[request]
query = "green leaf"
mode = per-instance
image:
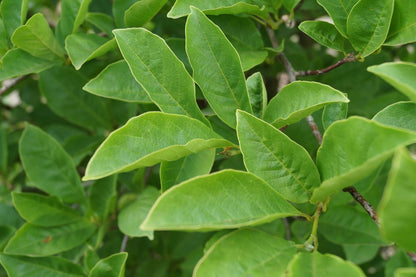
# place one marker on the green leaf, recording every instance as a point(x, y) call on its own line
point(274, 157)
point(324, 33)
point(142, 12)
point(405, 272)
point(48, 166)
point(399, 201)
point(257, 94)
point(216, 7)
point(316, 264)
point(37, 241)
point(399, 259)
point(400, 114)
point(49, 211)
point(133, 215)
point(338, 10)
point(398, 74)
point(403, 24)
point(3, 150)
point(62, 88)
point(13, 13)
point(4, 40)
point(6, 232)
point(119, 9)
point(37, 38)
point(334, 112)
point(162, 75)
point(290, 5)
point(365, 145)
point(246, 252)
point(360, 253)
point(149, 139)
point(83, 47)
point(117, 82)
point(18, 266)
point(217, 67)
point(285, 109)
point(223, 200)
point(102, 21)
point(112, 266)
point(72, 16)
point(175, 172)
point(368, 25)
point(102, 197)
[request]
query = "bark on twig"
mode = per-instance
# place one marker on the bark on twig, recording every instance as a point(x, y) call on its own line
point(364, 203)
point(348, 59)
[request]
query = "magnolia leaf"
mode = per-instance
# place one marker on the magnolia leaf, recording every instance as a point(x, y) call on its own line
point(13, 13)
point(112, 266)
point(3, 150)
point(324, 33)
point(72, 16)
point(257, 94)
point(142, 12)
point(405, 272)
point(400, 114)
point(102, 198)
point(403, 24)
point(102, 21)
point(338, 15)
point(334, 112)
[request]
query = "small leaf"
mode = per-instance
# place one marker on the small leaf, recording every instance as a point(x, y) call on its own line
point(48, 166)
point(102, 21)
point(13, 13)
point(399, 201)
point(112, 266)
point(102, 197)
point(133, 215)
point(149, 139)
point(217, 67)
point(339, 15)
point(368, 25)
point(400, 114)
point(142, 12)
point(365, 145)
point(257, 94)
point(275, 158)
point(398, 74)
point(246, 252)
point(334, 112)
point(403, 24)
point(285, 109)
point(222, 200)
point(72, 16)
point(324, 33)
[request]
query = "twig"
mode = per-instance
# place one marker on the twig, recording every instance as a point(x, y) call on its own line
point(364, 203)
point(124, 243)
point(299, 5)
point(288, 234)
point(348, 59)
point(8, 84)
point(315, 130)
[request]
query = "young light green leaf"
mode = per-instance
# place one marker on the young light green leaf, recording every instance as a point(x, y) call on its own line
point(112, 266)
point(365, 145)
point(102, 198)
point(72, 16)
point(399, 200)
point(246, 252)
point(18, 266)
point(36, 241)
point(149, 139)
point(142, 12)
point(316, 264)
point(401, 75)
point(285, 109)
point(275, 158)
point(13, 13)
point(62, 88)
point(223, 200)
point(403, 24)
point(338, 10)
point(48, 166)
point(175, 172)
point(257, 94)
point(49, 211)
point(3, 150)
point(37, 38)
point(132, 216)
point(117, 82)
point(405, 272)
point(102, 21)
point(368, 25)
point(162, 75)
point(217, 67)
point(324, 33)
point(82, 47)
point(334, 112)
point(400, 114)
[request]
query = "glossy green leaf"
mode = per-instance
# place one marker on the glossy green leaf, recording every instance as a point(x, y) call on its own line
point(360, 253)
point(216, 7)
point(257, 94)
point(18, 266)
point(175, 172)
point(48, 166)
point(103, 197)
point(403, 24)
point(37, 241)
point(112, 266)
point(222, 200)
point(341, 167)
point(285, 108)
point(117, 82)
point(83, 47)
point(102, 21)
point(3, 150)
point(399, 259)
point(37, 38)
point(162, 75)
point(398, 74)
point(405, 272)
point(62, 88)
point(13, 13)
point(6, 232)
point(217, 67)
point(274, 157)
point(290, 5)
point(398, 202)
point(72, 16)
point(132, 216)
point(334, 112)
point(324, 33)
point(49, 211)
point(119, 9)
point(142, 12)
point(316, 264)
point(400, 114)
point(339, 11)
point(368, 25)
point(4, 40)
point(149, 139)
point(246, 252)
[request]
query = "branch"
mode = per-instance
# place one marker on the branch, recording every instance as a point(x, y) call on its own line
point(124, 244)
point(8, 84)
point(364, 203)
point(348, 59)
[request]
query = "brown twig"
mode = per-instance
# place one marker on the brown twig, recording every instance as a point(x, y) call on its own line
point(288, 234)
point(364, 203)
point(348, 59)
point(8, 84)
point(124, 244)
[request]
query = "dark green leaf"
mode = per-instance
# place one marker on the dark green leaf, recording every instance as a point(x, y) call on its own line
point(72, 16)
point(339, 11)
point(102, 197)
point(102, 21)
point(13, 13)
point(324, 33)
point(403, 24)
point(257, 94)
point(119, 9)
point(112, 266)
point(142, 12)
point(3, 150)
point(334, 112)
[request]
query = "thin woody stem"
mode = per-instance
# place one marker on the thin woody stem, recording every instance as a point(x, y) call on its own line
point(11, 83)
point(364, 203)
point(348, 59)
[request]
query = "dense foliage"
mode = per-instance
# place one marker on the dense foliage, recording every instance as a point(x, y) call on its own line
point(168, 138)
